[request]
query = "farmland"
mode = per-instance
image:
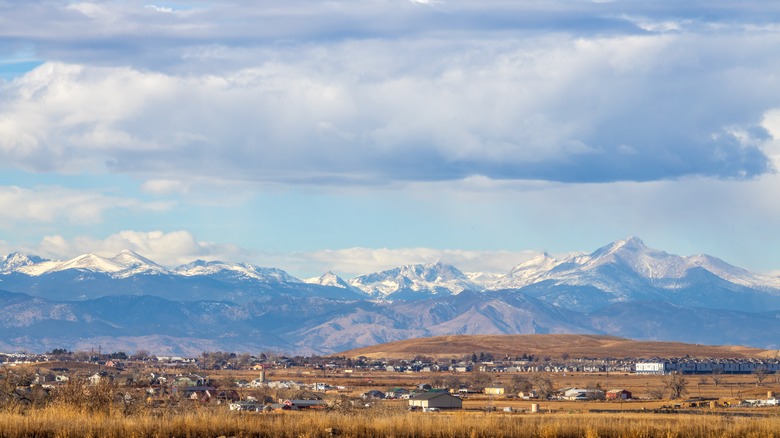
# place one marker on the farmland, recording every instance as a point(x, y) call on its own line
point(347, 396)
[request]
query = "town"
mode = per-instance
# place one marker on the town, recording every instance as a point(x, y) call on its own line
point(479, 381)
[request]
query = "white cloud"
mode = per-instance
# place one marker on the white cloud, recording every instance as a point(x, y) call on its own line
point(51, 204)
point(357, 261)
point(167, 248)
point(551, 108)
point(165, 187)
point(179, 247)
point(162, 9)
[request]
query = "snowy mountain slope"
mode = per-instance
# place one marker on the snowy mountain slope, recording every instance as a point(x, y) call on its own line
point(410, 281)
point(236, 271)
point(623, 288)
point(124, 264)
point(627, 270)
point(307, 325)
point(330, 279)
point(16, 261)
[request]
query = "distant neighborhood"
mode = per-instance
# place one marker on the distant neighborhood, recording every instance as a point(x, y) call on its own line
point(308, 382)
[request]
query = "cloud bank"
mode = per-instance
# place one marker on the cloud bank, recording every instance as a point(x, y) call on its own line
point(640, 100)
point(178, 247)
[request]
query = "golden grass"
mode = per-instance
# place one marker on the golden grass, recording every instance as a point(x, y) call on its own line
point(552, 345)
point(67, 422)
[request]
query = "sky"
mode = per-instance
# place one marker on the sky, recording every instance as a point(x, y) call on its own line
point(356, 136)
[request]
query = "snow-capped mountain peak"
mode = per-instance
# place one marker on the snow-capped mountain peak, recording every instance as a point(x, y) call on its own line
point(527, 272)
point(327, 279)
point(432, 278)
point(131, 259)
point(15, 261)
point(90, 262)
point(238, 270)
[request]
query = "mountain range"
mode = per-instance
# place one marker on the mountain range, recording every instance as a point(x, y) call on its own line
point(128, 302)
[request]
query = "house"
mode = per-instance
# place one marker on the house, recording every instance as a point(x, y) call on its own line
point(438, 400)
point(189, 380)
point(202, 393)
point(310, 395)
point(305, 404)
point(494, 390)
point(527, 395)
point(618, 394)
point(246, 406)
point(97, 378)
point(583, 394)
point(230, 395)
point(373, 394)
point(395, 393)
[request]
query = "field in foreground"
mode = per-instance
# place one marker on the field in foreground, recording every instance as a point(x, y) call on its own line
point(62, 422)
point(551, 345)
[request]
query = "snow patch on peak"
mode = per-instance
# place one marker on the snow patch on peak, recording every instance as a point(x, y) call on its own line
point(91, 262)
point(326, 279)
point(16, 261)
point(202, 267)
point(432, 278)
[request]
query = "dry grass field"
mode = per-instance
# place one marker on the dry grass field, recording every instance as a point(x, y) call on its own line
point(639, 418)
point(554, 346)
point(482, 415)
point(67, 422)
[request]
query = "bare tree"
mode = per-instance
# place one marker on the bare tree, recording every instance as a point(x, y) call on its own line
point(480, 380)
point(542, 384)
point(656, 394)
point(520, 383)
point(717, 377)
point(677, 385)
point(761, 373)
point(453, 382)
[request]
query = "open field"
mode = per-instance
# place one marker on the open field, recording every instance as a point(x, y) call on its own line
point(66, 423)
point(124, 407)
point(482, 416)
point(554, 346)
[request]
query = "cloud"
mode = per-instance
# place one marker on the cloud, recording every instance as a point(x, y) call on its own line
point(165, 187)
point(167, 248)
point(378, 93)
point(179, 247)
point(52, 204)
point(162, 9)
point(357, 261)
point(552, 109)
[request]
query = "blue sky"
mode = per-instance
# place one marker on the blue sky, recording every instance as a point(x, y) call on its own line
point(355, 136)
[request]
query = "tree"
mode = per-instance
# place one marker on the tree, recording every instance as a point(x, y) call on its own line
point(542, 384)
point(717, 377)
point(677, 385)
point(140, 355)
point(761, 373)
point(480, 380)
point(520, 383)
point(453, 382)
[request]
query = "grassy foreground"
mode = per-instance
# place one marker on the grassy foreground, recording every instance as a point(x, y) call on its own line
point(63, 421)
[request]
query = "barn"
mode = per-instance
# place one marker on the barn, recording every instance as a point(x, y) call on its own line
point(438, 400)
point(618, 394)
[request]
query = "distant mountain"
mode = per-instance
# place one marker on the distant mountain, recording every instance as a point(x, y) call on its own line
point(629, 271)
point(622, 289)
point(16, 261)
point(234, 272)
point(414, 282)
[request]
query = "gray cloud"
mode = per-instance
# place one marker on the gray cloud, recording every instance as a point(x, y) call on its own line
point(350, 92)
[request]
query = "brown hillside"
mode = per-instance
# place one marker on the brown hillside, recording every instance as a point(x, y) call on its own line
point(553, 346)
